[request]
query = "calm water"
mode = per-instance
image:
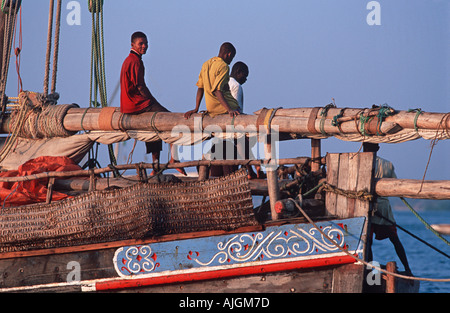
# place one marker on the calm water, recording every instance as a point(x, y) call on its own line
point(424, 261)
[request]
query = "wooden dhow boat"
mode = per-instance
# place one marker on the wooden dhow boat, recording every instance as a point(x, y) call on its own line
point(81, 231)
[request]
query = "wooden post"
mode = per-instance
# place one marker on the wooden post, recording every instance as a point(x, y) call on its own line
point(315, 155)
point(390, 280)
point(203, 172)
point(272, 176)
point(50, 185)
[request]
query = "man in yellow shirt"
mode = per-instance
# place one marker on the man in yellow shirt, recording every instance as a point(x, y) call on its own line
point(213, 84)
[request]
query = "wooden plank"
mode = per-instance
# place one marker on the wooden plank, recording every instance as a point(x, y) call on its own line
point(343, 183)
point(353, 176)
point(348, 278)
point(365, 181)
point(297, 281)
point(332, 161)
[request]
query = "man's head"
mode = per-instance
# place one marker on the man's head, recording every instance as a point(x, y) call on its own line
point(139, 42)
point(227, 52)
point(240, 72)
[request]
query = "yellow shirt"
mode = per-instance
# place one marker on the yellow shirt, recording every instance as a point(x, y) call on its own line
point(214, 75)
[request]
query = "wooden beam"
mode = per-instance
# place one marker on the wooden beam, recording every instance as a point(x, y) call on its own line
point(300, 160)
point(78, 119)
point(412, 188)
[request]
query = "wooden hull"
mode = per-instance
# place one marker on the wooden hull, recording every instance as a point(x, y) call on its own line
point(294, 251)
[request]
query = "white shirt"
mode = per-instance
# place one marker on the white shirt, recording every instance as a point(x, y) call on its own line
point(237, 92)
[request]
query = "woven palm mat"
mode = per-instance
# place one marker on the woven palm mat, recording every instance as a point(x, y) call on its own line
point(133, 212)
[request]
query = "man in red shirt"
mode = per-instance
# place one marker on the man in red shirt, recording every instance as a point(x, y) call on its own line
point(135, 97)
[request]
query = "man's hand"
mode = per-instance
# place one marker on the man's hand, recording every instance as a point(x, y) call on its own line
point(233, 113)
point(188, 114)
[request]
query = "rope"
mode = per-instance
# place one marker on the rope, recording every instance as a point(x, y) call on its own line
point(428, 226)
point(360, 260)
point(324, 114)
point(9, 30)
point(416, 117)
point(364, 194)
point(411, 234)
point(56, 46)
point(19, 116)
point(384, 111)
point(49, 45)
point(98, 71)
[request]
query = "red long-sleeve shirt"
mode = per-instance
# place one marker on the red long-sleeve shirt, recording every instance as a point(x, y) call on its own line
point(132, 76)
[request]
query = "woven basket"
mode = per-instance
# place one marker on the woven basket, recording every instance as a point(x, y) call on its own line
point(137, 211)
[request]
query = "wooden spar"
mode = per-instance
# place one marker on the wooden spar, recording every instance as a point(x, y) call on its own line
point(98, 171)
point(167, 121)
point(404, 119)
point(285, 121)
point(411, 188)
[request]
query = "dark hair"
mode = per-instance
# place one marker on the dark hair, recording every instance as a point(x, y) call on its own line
point(239, 67)
point(137, 35)
point(370, 147)
point(227, 47)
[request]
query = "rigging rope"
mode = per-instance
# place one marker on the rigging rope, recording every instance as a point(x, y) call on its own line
point(98, 72)
point(359, 259)
point(55, 47)
point(428, 226)
point(9, 9)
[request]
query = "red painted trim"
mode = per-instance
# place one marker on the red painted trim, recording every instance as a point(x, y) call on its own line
point(240, 271)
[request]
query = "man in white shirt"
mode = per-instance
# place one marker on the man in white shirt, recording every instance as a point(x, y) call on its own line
point(238, 77)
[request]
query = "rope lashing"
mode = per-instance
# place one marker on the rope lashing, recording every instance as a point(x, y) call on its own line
point(383, 112)
point(370, 123)
point(364, 194)
point(416, 117)
point(324, 114)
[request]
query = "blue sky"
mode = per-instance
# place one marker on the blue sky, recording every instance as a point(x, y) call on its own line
point(300, 54)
